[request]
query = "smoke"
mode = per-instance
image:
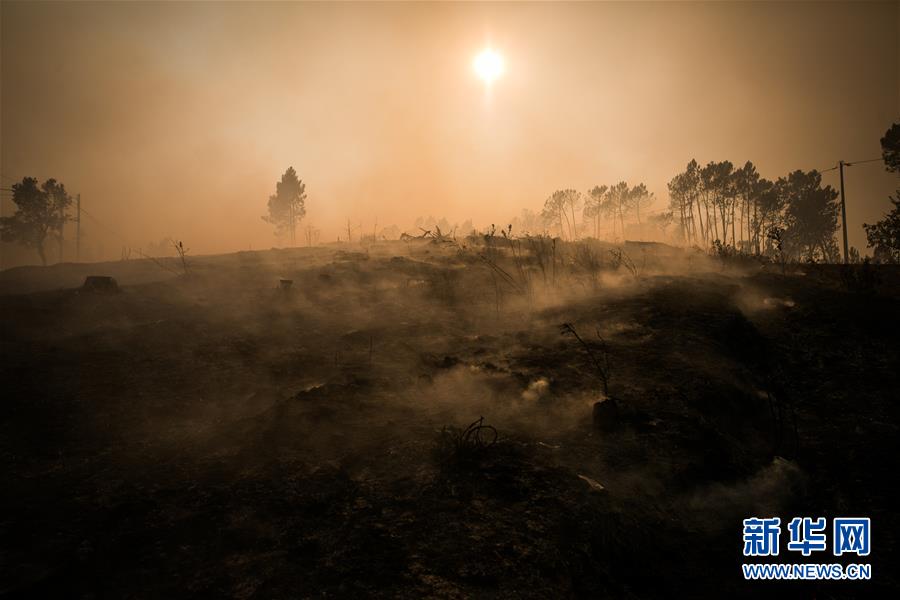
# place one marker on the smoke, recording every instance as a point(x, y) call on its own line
point(135, 106)
point(769, 491)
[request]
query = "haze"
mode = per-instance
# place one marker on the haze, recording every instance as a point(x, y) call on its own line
point(177, 119)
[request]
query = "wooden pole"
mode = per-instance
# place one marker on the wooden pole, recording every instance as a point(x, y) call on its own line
point(78, 228)
point(843, 212)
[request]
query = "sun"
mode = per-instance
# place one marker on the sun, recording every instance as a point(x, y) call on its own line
point(488, 65)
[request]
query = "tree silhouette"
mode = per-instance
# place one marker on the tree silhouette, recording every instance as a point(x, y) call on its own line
point(718, 191)
point(692, 188)
point(638, 198)
point(287, 205)
point(746, 185)
point(558, 207)
point(884, 236)
point(593, 206)
point(684, 194)
point(767, 213)
point(811, 215)
point(617, 202)
point(39, 212)
point(890, 148)
point(528, 222)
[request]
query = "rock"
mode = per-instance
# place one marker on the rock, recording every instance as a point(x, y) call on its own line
point(285, 284)
point(593, 484)
point(101, 284)
point(448, 362)
point(606, 414)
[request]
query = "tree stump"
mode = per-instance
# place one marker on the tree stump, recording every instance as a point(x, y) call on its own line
point(100, 284)
point(606, 415)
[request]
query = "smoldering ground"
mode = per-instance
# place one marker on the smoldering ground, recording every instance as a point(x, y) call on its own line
point(214, 433)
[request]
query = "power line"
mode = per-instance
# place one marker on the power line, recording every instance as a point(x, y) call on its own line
point(841, 164)
point(851, 163)
point(100, 223)
point(95, 220)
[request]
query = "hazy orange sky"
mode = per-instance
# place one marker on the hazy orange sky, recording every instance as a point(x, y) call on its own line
point(176, 119)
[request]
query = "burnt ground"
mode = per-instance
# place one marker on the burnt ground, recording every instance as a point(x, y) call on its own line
point(209, 435)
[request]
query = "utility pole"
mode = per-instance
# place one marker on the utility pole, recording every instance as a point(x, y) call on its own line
point(62, 231)
point(78, 228)
point(843, 212)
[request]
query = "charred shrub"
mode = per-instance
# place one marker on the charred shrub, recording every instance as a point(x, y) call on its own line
point(456, 448)
point(862, 278)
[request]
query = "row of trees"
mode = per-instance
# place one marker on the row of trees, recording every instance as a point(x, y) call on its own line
point(713, 205)
point(612, 205)
point(738, 208)
point(717, 204)
point(616, 203)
